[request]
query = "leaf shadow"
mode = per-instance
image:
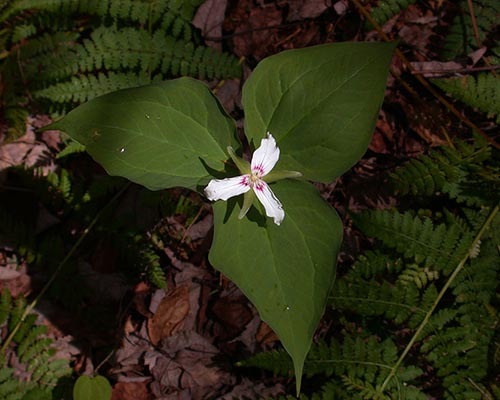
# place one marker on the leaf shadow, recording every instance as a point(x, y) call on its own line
point(253, 215)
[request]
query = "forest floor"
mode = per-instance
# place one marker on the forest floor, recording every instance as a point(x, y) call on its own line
point(183, 342)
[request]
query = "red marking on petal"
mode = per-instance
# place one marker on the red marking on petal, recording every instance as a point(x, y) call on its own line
point(259, 169)
point(245, 180)
point(259, 186)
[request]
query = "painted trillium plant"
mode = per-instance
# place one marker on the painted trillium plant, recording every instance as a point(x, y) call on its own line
point(320, 105)
point(254, 180)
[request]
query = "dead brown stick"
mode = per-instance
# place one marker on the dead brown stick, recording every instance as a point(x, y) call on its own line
point(475, 29)
point(474, 22)
point(463, 71)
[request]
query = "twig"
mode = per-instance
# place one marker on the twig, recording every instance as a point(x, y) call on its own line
point(475, 29)
point(73, 249)
point(474, 23)
point(252, 30)
point(422, 80)
point(464, 71)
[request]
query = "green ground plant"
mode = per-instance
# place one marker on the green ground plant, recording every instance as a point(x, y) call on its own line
point(57, 54)
point(425, 297)
point(176, 134)
point(30, 349)
point(430, 277)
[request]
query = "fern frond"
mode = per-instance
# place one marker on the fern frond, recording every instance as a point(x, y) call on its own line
point(40, 372)
point(23, 32)
point(86, 87)
point(449, 170)
point(417, 275)
point(30, 338)
point(434, 246)
point(481, 92)
point(5, 304)
point(419, 176)
point(72, 147)
point(386, 9)
point(15, 117)
point(363, 390)
point(70, 51)
point(277, 361)
point(365, 361)
point(133, 49)
point(17, 311)
point(10, 387)
point(461, 39)
point(377, 299)
point(154, 272)
point(34, 353)
point(25, 327)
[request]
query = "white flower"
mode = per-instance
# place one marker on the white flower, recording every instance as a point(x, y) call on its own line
point(254, 177)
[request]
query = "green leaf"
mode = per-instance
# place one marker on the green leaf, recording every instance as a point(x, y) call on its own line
point(286, 271)
point(87, 388)
point(320, 103)
point(163, 135)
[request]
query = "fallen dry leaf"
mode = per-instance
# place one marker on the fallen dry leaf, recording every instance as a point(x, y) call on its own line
point(51, 138)
point(233, 314)
point(209, 19)
point(229, 94)
point(200, 229)
point(132, 349)
point(168, 318)
point(255, 38)
point(302, 9)
point(265, 335)
point(20, 286)
point(130, 391)
point(7, 274)
point(188, 277)
point(247, 389)
point(184, 367)
point(247, 337)
point(341, 7)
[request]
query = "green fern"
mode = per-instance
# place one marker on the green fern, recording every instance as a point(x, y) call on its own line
point(398, 334)
point(138, 254)
point(465, 173)
point(482, 92)
point(386, 9)
point(131, 58)
point(329, 391)
point(382, 291)
point(60, 60)
point(357, 367)
point(40, 371)
point(72, 147)
point(172, 15)
point(454, 350)
point(460, 39)
point(419, 176)
point(434, 246)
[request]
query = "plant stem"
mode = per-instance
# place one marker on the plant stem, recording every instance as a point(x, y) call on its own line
point(77, 244)
point(439, 297)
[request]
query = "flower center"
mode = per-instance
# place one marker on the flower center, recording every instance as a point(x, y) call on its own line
point(254, 177)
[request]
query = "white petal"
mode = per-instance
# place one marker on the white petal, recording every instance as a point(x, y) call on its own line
point(272, 205)
point(266, 156)
point(223, 189)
